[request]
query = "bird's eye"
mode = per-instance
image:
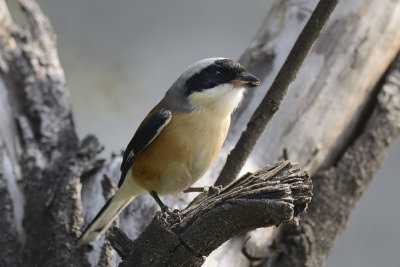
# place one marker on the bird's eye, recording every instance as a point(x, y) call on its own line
point(217, 74)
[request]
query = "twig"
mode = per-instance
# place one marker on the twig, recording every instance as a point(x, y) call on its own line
point(276, 92)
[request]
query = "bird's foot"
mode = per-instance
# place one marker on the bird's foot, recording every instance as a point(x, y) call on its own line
point(168, 214)
point(214, 190)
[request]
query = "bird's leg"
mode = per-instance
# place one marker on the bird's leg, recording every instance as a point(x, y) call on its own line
point(164, 208)
point(212, 189)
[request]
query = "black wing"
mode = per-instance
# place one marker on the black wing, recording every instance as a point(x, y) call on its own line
point(150, 128)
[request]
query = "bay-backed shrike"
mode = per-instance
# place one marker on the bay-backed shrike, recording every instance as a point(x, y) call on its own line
point(179, 139)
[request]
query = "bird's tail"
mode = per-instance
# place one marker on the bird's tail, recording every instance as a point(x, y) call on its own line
point(108, 213)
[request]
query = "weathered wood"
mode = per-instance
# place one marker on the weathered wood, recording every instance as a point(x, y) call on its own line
point(269, 197)
point(277, 91)
point(10, 199)
point(50, 156)
point(339, 188)
point(319, 115)
point(331, 90)
point(360, 42)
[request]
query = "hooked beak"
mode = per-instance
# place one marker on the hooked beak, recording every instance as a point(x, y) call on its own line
point(246, 80)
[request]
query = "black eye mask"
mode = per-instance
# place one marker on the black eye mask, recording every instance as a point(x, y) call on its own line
point(220, 72)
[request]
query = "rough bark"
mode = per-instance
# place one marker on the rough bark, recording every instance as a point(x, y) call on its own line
point(330, 92)
point(50, 156)
point(326, 103)
point(340, 187)
point(269, 197)
point(45, 158)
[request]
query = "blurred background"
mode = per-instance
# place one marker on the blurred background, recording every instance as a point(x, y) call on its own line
point(120, 57)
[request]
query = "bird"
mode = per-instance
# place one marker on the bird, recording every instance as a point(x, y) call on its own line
point(179, 139)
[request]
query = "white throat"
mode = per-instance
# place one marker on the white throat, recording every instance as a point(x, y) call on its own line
point(221, 100)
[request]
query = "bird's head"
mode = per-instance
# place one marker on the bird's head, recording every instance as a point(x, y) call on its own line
point(214, 84)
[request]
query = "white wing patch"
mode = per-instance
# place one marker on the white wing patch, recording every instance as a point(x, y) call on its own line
point(132, 154)
point(158, 131)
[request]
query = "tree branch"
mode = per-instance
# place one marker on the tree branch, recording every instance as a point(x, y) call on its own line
point(272, 100)
point(269, 197)
point(53, 159)
point(339, 188)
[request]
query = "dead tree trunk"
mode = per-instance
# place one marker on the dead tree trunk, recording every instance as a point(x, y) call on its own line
point(329, 102)
point(51, 182)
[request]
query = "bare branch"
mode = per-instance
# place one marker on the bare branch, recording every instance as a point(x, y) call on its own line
point(53, 159)
point(269, 197)
point(272, 100)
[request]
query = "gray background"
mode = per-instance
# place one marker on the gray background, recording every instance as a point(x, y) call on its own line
point(120, 56)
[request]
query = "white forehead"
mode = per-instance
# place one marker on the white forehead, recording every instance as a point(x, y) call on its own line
point(199, 65)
